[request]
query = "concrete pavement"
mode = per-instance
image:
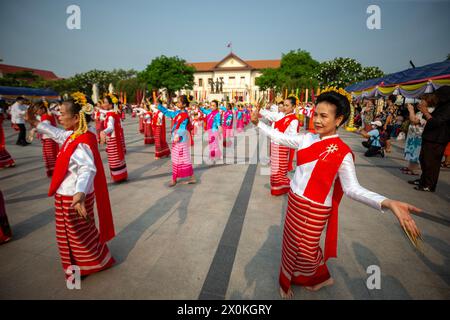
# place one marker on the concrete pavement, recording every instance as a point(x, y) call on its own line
point(220, 238)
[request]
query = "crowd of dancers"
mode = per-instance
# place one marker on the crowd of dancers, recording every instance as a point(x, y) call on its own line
point(324, 169)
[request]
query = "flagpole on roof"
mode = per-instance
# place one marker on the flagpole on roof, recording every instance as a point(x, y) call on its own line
point(230, 45)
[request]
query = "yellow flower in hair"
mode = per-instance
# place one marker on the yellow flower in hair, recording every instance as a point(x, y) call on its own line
point(79, 98)
point(113, 98)
point(340, 91)
point(86, 108)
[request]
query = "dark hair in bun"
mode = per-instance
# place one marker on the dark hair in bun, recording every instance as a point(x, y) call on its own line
point(293, 100)
point(340, 101)
point(184, 99)
point(75, 108)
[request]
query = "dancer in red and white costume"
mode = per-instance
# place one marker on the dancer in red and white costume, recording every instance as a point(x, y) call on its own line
point(162, 149)
point(140, 111)
point(99, 118)
point(112, 134)
point(79, 181)
point(325, 170)
point(5, 158)
point(5, 229)
point(50, 148)
point(281, 157)
point(149, 137)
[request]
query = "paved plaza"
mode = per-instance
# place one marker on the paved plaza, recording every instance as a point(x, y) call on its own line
point(220, 238)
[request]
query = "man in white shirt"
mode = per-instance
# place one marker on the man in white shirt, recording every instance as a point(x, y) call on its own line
point(18, 110)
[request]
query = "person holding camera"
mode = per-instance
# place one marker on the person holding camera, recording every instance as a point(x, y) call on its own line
point(435, 137)
point(373, 144)
point(414, 137)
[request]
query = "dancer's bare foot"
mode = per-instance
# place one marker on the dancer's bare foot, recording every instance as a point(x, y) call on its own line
point(172, 183)
point(192, 180)
point(288, 295)
point(317, 287)
point(157, 158)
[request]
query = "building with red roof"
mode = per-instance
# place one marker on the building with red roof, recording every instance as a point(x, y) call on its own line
point(8, 69)
point(237, 78)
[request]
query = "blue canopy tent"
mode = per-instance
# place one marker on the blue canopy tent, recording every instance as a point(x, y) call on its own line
point(30, 93)
point(410, 83)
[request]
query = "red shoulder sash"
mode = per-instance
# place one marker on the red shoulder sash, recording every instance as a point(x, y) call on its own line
point(329, 154)
point(100, 187)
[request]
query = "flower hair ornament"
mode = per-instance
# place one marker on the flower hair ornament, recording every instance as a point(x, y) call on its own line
point(295, 96)
point(86, 109)
point(340, 91)
point(113, 98)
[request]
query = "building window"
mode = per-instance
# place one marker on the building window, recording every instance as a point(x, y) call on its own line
point(200, 82)
point(242, 80)
point(232, 80)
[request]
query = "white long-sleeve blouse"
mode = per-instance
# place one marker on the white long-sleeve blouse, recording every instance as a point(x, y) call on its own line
point(82, 169)
point(346, 172)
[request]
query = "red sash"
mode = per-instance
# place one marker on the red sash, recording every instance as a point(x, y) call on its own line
point(281, 125)
point(100, 188)
point(163, 124)
point(117, 131)
point(329, 154)
point(50, 118)
point(226, 115)
point(2, 133)
point(210, 119)
point(178, 120)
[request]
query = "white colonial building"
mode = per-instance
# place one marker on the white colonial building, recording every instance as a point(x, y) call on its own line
point(234, 77)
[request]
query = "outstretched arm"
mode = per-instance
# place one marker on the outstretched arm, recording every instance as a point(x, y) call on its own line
point(291, 141)
point(205, 111)
point(354, 190)
point(270, 115)
point(167, 112)
point(54, 133)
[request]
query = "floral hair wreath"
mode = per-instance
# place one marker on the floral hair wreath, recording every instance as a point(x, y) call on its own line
point(295, 96)
point(80, 99)
point(340, 91)
point(113, 98)
point(86, 108)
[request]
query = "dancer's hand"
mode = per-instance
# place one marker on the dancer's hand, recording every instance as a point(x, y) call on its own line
point(78, 204)
point(255, 117)
point(102, 137)
point(30, 117)
point(402, 211)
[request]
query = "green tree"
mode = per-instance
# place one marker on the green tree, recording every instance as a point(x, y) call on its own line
point(130, 87)
point(342, 72)
point(19, 79)
point(170, 73)
point(269, 79)
point(370, 73)
point(297, 70)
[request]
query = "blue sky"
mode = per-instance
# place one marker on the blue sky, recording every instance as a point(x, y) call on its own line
point(128, 34)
